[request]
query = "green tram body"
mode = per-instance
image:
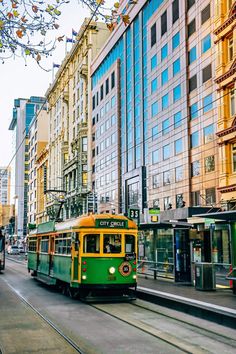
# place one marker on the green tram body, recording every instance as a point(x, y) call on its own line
point(2, 252)
point(89, 255)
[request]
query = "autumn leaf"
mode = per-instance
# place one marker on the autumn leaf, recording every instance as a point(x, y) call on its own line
point(19, 33)
point(60, 39)
point(27, 52)
point(116, 5)
point(23, 19)
point(110, 26)
point(56, 25)
point(100, 2)
point(14, 5)
point(9, 15)
point(1, 45)
point(126, 19)
point(35, 8)
point(38, 58)
point(15, 13)
point(1, 25)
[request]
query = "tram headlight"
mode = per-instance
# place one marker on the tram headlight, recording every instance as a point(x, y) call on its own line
point(134, 276)
point(112, 270)
point(84, 277)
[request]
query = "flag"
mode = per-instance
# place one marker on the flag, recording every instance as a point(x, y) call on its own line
point(69, 40)
point(55, 65)
point(74, 33)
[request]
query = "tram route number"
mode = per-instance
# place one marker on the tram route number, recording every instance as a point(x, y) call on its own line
point(130, 256)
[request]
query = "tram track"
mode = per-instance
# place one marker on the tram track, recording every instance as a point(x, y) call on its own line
point(46, 320)
point(169, 338)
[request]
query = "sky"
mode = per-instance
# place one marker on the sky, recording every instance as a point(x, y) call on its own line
point(20, 81)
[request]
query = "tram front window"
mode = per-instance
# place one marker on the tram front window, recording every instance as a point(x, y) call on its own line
point(129, 244)
point(91, 243)
point(112, 243)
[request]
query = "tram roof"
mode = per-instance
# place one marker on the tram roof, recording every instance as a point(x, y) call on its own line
point(85, 221)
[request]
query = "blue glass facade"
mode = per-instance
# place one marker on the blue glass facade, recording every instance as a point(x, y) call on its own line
point(132, 51)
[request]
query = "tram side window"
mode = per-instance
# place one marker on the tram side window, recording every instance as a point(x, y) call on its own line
point(63, 244)
point(44, 245)
point(1, 244)
point(112, 243)
point(91, 243)
point(129, 243)
point(32, 246)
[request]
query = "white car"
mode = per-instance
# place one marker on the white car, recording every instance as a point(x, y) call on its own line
point(13, 250)
point(21, 249)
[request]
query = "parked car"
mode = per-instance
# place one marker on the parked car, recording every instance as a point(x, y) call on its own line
point(13, 250)
point(21, 249)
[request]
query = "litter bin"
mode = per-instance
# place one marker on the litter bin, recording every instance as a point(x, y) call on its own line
point(205, 278)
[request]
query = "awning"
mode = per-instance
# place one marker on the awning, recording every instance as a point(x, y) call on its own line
point(220, 215)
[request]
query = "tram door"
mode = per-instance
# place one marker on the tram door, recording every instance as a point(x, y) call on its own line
point(182, 262)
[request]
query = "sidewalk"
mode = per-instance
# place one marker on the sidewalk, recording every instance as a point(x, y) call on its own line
point(218, 305)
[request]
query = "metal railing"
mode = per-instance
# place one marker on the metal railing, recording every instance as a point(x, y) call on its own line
point(155, 269)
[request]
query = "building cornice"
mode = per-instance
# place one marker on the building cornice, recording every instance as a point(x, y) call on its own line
point(226, 131)
point(227, 189)
point(229, 73)
point(226, 23)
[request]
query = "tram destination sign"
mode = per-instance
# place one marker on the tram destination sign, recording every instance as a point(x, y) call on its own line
point(111, 224)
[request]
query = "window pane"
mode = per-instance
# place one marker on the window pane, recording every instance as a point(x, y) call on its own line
point(177, 119)
point(178, 146)
point(175, 40)
point(112, 243)
point(165, 101)
point(166, 178)
point(210, 164)
point(206, 13)
point(154, 85)
point(177, 93)
point(179, 174)
point(176, 66)
point(206, 43)
point(164, 23)
point(194, 140)
point(91, 243)
point(154, 109)
point(208, 133)
point(192, 83)
point(164, 77)
point(206, 73)
point(207, 103)
point(191, 27)
point(154, 132)
point(193, 111)
point(175, 10)
point(192, 55)
point(153, 62)
point(166, 152)
point(165, 126)
point(195, 168)
point(155, 156)
point(153, 35)
point(164, 52)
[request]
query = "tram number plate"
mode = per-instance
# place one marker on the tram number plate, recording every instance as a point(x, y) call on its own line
point(111, 277)
point(130, 256)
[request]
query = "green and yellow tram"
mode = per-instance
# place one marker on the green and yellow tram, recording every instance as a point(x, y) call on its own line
point(90, 256)
point(2, 251)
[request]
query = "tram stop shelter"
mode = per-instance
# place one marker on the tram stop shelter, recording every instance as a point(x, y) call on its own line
point(228, 217)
